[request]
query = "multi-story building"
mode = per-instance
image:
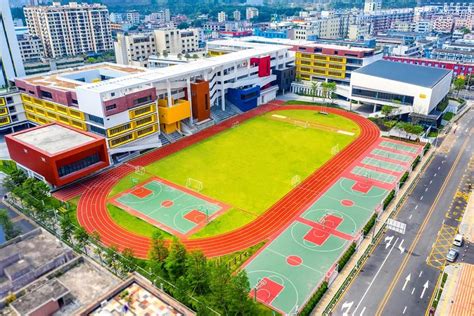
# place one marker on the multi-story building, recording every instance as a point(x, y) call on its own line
point(250, 13)
point(443, 23)
point(236, 15)
point(11, 66)
point(372, 6)
point(68, 30)
point(221, 17)
point(115, 17)
point(132, 17)
point(140, 46)
point(458, 68)
point(382, 20)
point(358, 31)
point(422, 26)
point(136, 108)
point(31, 47)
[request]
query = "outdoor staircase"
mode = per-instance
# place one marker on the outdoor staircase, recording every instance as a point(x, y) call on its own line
point(164, 141)
point(218, 115)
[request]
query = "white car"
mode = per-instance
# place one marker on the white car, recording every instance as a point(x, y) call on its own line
point(458, 240)
point(452, 255)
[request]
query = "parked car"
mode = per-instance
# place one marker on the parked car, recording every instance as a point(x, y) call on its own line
point(458, 240)
point(452, 255)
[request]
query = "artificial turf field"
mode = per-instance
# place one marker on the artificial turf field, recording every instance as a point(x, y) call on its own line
point(251, 166)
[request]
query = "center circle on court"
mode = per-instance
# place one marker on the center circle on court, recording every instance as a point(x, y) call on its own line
point(294, 260)
point(167, 203)
point(347, 203)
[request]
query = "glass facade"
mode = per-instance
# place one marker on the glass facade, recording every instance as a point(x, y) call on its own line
point(78, 165)
point(382, 96)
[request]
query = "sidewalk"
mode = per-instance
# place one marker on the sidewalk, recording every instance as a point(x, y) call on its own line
point(466, 228)
point(403, 193)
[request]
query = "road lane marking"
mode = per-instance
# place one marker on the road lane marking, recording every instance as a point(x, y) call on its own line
point(407, 279)
point(375, 276)
point(391, 287)
point(412, 291)
point(346, 306)
point(425, 286)
point(363, 310)
point(404, 310)
point(421, 199)
point(435, 174)
point(421, 273)
point(426, 190)
point(416, 206)
point(410, 216)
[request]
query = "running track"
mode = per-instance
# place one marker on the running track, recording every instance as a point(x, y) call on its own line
point(93, 215)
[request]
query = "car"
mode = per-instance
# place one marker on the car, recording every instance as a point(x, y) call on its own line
point(452, 255)
point(458, 240)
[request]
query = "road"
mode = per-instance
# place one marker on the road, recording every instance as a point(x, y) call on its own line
point(396, 279)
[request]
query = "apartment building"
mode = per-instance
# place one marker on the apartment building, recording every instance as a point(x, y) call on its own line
point(221, 17)
point(132, 17)
point(250, 13)
point(138, 47)
point(31, 47)
point(372, 6)
point(458, 68)
point(236, 15)
point(11, 66)
point(443, 23)
point(137, 109)
point(72, 29)
point(382, 20)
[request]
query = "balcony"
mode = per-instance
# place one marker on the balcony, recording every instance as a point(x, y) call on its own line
point(179, 110)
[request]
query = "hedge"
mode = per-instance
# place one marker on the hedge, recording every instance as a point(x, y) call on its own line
point(314, 300)
point(427, 147)
point(415, 163)
point(403, 179)
point(369, 224)
point(388, 199)
point(345, 257)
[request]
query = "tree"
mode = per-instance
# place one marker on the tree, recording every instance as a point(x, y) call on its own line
point(67, 227)
point(183, 25)
point(175, 263)
point(459, 84)
point(197, 273)
point(180, 56)
point(129, 262)
point(158, 249)
point(386, 110)
point(314, 89)
point(110, 257)
point(187, 56)
point(218, 285)
point(81, 237)
point(95, 237)
point(328, 89)
point(195, 56)
point(239, 301)
point(165, 53)
point(7, 225)
point(14, 180)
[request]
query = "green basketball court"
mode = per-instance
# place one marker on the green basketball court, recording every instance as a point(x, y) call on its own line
point(401, 147)
point(391, 155)
point(372, 174)
point(284, 274)
point(170, 207)
point(382, 164)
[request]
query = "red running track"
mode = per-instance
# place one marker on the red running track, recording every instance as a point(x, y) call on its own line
point(93, 215)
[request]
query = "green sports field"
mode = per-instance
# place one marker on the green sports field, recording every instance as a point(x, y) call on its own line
point(251, 166)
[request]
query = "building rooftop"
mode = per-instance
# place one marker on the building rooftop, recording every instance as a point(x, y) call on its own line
point(53, 138)
point(412, 74)
point(52, 290)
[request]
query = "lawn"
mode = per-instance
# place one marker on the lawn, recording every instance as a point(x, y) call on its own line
point(249, 166)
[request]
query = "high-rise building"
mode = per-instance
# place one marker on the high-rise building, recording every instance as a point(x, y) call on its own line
point(236, 15)
point(73, 29)
point(372, 6)
point(132, 17)
point(221, 17)
point(250, 13)
point(11, 65)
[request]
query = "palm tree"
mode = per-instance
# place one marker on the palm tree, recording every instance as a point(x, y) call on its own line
point(314, 89)
point(82, 237)
point(95, 237)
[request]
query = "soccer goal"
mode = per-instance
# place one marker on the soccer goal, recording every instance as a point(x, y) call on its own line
point(295, 180)
point(139, 170)
point(335, 149)
point(194, 185)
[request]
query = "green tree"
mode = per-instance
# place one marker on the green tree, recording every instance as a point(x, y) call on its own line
point(158, 249)
point(165, 53)
point(175, 263)
point(67, 228)
point(459, 84)
point(81, 237)
point(111, 257)
point(239, 301)
point(129, 262)
point(183, 25)
point(95, 237)
point(197, 273)
point(314, 89)
point(14, 179)
point(195, 56)
point(180, 56)
point(187, 56)
point(386, 110)
point(218, 285)
point(7, 225)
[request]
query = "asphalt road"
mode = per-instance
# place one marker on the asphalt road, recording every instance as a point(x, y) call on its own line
point(396, 279)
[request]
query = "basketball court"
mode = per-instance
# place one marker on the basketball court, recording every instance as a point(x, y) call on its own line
point(177, 210)
point(392, 155)
point(400, 147)
point(286, 272)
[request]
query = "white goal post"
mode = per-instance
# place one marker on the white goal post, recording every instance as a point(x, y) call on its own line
point(194, 185)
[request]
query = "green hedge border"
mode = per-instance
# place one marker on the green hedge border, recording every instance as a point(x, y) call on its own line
point(314, 300)
point(346, 257)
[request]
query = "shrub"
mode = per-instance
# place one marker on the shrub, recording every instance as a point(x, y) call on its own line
point(403, 179)
point(388, 199)
point(448, 116)
point(427, 147)
point(369, 225)
point(313, 301)
point(345, 257)
point(415, 162)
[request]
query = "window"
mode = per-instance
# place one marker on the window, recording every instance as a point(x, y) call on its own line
point(142, 100)
point(78, 165)
point(97, 130)
point(96, 119)
point(111, 107)
point(46, 94)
